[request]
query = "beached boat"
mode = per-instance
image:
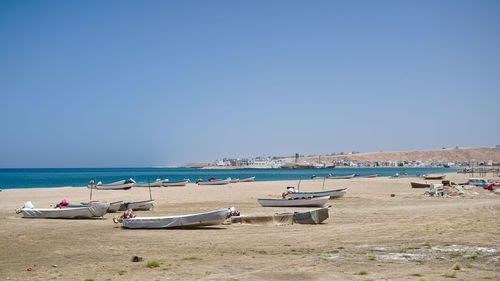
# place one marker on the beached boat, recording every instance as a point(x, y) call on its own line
point(117, 185)
point(250, 179)
point(368, 176)
point(193, 220)
point(234, 180)
point(111, 187)
point(176, 183)
point(157, 183)
point(420, 185)
point(215, 182)
point(434, 177)
point(333, 193)
point(340, 177)
point(303, 202)
point(113, 206)
point(91, 211)
point(314, 216)
point(138, 205)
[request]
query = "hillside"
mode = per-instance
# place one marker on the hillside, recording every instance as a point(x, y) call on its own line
point(478, 154)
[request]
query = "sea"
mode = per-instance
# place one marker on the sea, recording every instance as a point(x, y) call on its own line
point(77, 177)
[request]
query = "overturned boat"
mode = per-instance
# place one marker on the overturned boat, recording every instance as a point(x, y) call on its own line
point(314, 216)
point(250, 179)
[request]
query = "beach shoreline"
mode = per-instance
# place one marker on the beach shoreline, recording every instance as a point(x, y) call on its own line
point(368, 231)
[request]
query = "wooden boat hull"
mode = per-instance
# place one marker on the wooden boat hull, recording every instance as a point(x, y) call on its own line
point(138, 205)
point(250, 179)
point(193, 220)
point(92, 211)
point(334, 193)
point(175, 183)
point(340, 177)
point(304, 202)
point(420, 185)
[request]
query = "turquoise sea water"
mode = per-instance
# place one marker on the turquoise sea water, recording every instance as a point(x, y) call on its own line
point(29, 178)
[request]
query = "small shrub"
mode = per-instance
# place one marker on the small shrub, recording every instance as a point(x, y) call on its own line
point(361, 273)
point(426, 245)
point(340, 248)
point(89, 279)
point(393, 195)
point(417, 274)
point(457, 266)
point(371, 258)
point(262, 252)
point(121, 272)
point(152, 264)
point(192, 259)
point(473, 257)
point(448, 275)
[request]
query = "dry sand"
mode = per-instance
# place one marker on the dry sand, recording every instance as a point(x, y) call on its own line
point(406, 237)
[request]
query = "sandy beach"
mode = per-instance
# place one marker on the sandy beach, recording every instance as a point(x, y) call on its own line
point(369, 236)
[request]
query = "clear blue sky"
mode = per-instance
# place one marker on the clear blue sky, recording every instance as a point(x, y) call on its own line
point(149, 83)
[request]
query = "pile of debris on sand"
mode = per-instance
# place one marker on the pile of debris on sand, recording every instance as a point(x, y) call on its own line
point(455, 190)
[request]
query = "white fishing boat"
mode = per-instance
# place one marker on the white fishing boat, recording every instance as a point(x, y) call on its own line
point(234, 180)
point(302, 202)
point(215, 182)
point(193, 220)
point(111, 187)
point(175, 183)
point(157, 183)
point(113, 206)
point(250, 179)
point(334, 193)
point(138, 205)
point(91, 211)
point(340, 177)
point(117, 185)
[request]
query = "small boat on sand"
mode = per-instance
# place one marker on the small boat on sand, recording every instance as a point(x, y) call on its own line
point(302, 202)
point(123, 184)
point(340, 177)
point(214, 182)
point(420, 185)
point(314, 216)
point(157, 183)
point(368, 176)
point(234, 180)
point(250, 179)
point(113, 206)
point(334, 193)
point(192, 220)
point(434, 177)
point(91, 211)
point(176, 183)
point(138, 205)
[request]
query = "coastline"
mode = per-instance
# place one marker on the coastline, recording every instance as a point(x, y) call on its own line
point(368, 230)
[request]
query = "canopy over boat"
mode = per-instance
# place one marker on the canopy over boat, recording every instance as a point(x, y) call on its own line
point(192, 220)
